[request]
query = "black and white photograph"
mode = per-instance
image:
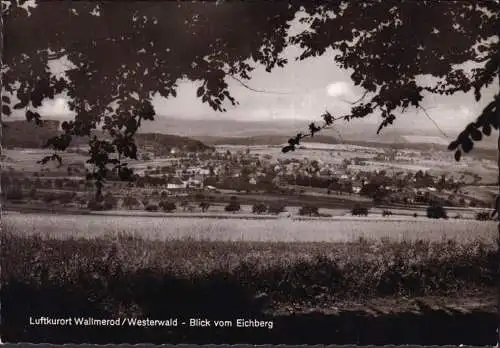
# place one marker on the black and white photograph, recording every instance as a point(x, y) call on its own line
point(250, 172)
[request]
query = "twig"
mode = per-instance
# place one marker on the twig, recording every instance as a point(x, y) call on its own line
point(256, 90)
point(357, 100)
point(432, 120)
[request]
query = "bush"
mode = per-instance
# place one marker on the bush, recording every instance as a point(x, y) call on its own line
point(415, 215)
point(276, 208)
point(386, 213)
point(436, 211)
point(167, 206)
point(14, 193)
point(483, 216)
point(359, 210)
point(130, 201)
point(309, 210)
point(259, 208)
point(204, 206)
point(151, 207)
point(232, 207)
point(33, 194)
point(95, 205)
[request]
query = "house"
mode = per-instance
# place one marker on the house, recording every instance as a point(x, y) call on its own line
point(175, 183)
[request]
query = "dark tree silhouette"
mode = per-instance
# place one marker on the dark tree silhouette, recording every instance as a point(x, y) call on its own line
point(158, 43)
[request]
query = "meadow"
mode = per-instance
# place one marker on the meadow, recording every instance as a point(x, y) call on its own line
point(336, 229)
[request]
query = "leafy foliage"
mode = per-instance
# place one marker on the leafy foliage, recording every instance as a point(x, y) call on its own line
point(386, 45)
point(114, 95)
point(388, 49)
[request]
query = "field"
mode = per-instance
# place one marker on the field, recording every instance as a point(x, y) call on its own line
point(114, 274)
point(341, 229)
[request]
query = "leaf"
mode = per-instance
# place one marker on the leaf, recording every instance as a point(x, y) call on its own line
point(487, 130)
point(200, 91)
point(6, 110)
point(476, 135)
point(467, 145)
point(288, 148)
point(453, 145)
point(458, 155)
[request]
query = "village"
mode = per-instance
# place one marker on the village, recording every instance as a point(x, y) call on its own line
point(333, 176)
point(383, 175)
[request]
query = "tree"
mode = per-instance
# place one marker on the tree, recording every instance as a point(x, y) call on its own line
point(233, 205)
point(309, 210)
point(109, 202)
point(436, 211)
point(204, 206)
point(151, 207)
point(130, 202)
point(259, 208)
point(167, 206)
point(184, 204)
point(360, 210)
point(208, 46)
point(276, 208)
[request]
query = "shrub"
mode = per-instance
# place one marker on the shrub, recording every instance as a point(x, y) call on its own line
point(359, 210)
point(483, 216)
point(308, 210)
point(386, 213)
point(33, 193)
point(167, 206)
point(95, 205)
point(436, 211)
point(151, 207)
point(232, 207)
point(130, 201)
point(276, 208)
point(259, 208)
point(415, 215)
point(204, 206)
point(14, 193)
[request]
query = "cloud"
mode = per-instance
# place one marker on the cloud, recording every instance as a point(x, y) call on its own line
point(56, 107)
point(339, 89)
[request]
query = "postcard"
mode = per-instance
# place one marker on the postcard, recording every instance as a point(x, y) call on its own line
point(251, 172)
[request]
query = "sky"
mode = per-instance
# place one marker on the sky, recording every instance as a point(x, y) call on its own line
point(301, 91)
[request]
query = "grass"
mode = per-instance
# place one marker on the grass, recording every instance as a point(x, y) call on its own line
point(118, 274)
point(359, 268)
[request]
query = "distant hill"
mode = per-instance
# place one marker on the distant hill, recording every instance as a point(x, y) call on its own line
point(275, 132)
point(165, 142)
point(25, 134)
point(262, 140)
